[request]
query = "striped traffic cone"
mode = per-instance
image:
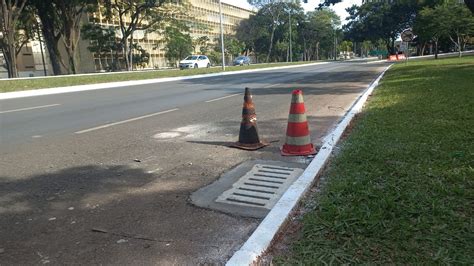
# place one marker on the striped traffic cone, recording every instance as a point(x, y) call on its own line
point(298, 141)
point(248, 135)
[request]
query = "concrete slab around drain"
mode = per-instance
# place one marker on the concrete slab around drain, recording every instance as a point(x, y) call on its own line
point(251, 189)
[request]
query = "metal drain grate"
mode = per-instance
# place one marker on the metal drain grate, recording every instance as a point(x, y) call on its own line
point(261, 187)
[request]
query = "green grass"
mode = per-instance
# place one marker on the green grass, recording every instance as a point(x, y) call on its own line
point(401, 191)
point(32, 84)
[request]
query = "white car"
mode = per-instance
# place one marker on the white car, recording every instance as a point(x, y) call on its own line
point(195, 61)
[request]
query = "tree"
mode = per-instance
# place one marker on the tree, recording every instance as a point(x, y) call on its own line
point(460, 24)
point(10, 13)
point(70, 15)
point(317, 31)
point(143, 15)
point(50, 29)
point(232, 46)
point(274, 9)
point(346, 46)
point(203, 43)
point(178, 43)
point(141, 58)
point(379, 20)
point(430, 25)
point(269, 26)
point(102, 41)
point(254, 34)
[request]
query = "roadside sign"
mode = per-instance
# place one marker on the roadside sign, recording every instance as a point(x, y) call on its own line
point(404, 46)
point(407, 35)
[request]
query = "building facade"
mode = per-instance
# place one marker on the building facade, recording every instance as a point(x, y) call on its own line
point(32, 61)
point(204, 13)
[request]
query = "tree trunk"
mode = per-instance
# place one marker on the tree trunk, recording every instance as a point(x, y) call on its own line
point(271, 42)
point(10, 56)
point(50, 38)
point(125, 53)
point(52, 46)
point(317, 51)
point(70, 40)
point(459, 47)
point(10, 62)
point(436, 49)
point(100, 62)
point(131, 52)
point(423, 48)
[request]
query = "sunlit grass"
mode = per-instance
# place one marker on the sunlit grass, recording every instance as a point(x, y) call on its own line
point(401, 191)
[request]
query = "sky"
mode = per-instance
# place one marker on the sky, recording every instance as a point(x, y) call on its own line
point(339, 8)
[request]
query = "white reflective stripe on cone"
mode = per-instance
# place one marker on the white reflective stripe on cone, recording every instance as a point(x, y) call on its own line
point(298, 141)
point(297, 118)
point(297, 98)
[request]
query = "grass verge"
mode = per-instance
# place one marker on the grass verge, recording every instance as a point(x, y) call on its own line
point(401, 191)
point(42, 83)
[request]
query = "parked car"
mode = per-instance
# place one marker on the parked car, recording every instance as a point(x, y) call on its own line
point(241, 60)
point(195, 61)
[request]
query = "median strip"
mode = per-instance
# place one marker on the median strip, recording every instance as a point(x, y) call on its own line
point(53, 84)
point(124, 121)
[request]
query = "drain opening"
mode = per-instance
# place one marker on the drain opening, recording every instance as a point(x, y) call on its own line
point(277, 168)
point(250, 196)
point(271, 176)
point(273, 172)
point(258, 185)
point(266, 181)
point(256, 190)
point(246, 202)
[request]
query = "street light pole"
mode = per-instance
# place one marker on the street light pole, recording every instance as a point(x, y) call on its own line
point(222, 35)
point(131, 53)
point(41, 47)
point(291, 50)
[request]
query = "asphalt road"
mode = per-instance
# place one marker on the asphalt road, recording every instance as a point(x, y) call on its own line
point(125, 160)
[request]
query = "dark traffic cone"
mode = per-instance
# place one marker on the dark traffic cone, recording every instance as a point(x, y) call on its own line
point(298, 141)
point(248, 136)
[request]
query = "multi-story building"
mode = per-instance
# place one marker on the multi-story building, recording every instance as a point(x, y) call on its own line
point(204, 13)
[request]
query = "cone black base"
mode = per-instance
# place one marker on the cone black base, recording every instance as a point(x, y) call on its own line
point(249, 147)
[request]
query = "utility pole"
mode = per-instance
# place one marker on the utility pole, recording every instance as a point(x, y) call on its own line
point(334, 45)
point(41, 48)
point(131, 53)
point(222, 36)
point(291, 50)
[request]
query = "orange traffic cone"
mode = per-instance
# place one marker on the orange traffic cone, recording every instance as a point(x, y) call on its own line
point(248, 135)
point(298, 141)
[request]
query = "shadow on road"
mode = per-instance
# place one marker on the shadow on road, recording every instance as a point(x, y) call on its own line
point(111, 215)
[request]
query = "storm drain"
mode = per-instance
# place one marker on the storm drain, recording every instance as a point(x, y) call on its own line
point(261, 187)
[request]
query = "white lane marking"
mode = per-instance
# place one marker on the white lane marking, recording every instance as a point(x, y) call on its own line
point(36, 136)
point(154, 171)
point(221, 98)
point(273, 85)
point(125, 121)
point(29, 108)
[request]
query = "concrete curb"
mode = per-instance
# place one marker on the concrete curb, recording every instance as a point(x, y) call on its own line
point(78, 88)
point(262, 237)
